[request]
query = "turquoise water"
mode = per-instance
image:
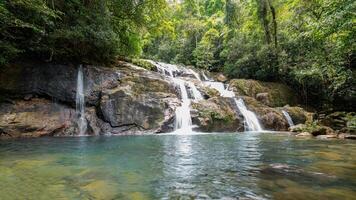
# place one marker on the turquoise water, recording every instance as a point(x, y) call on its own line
point(213, 166)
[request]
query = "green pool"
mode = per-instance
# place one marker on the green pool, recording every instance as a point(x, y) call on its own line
point(209, 166)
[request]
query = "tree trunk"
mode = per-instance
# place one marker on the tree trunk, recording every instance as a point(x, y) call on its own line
point(273, 11)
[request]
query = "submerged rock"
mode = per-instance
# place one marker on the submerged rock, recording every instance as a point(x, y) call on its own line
point(217, 114)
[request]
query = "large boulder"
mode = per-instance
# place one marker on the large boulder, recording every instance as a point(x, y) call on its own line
point(217, 114)
point(143, 101)
point(269, 93)
point(35, 118)
point(298, 114)
point(313, 128)
point(344, 122)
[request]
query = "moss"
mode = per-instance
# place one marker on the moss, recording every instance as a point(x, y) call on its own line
point(278, 94)
point(299, 115)
point(143, 63)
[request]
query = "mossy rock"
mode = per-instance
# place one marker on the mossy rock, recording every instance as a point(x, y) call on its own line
point(216, 115)
point(343, 121)
point(313, 128)
point(298, 114)
point(144, 64)
point(209, 92)
point(278, 94)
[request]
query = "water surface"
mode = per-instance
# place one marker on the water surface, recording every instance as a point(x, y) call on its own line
point(212, 166)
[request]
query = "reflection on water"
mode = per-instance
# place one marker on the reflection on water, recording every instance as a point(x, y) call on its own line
point(250, 165)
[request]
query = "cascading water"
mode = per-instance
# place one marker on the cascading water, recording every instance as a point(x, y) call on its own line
point(197, 95)
point(221, 88)
point(80, 103)
point(183, 121)
point(289, 119)
point(251, 121)
point(195, 74)
point(205, 77)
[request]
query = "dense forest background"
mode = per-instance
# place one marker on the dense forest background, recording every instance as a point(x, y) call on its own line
point(307, 44)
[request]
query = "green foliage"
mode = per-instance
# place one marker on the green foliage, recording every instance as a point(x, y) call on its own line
point(143, 63)
point(309, 45)
point(76, 30)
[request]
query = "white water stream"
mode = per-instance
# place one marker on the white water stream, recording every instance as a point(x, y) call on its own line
point(80, 103)
point(183, 122)
point(289, 119)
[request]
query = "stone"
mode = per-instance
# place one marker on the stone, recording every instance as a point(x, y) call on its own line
point(278, 94)
point(35, 118)
point(350, 136)
point(123, 99)
point(55, 81)
point(270, 118)
point(143, 101)
point(321, 130)
point(221, 78)
point(217, 114)
point(297, 128)
point(298, 114)
point(304, 134)
point(263, 98)
point(324, 137)
point(343, 121)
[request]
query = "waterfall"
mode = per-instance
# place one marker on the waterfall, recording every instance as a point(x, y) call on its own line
point(221, 88)
point(205, 77)
point(287, 116)
point(251, 121)
point(183, 121)
point(196, 75)
point(80, 102)
point(197, 95)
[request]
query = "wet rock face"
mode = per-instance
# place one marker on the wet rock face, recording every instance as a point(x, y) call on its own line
point(55, 81)
point(144, 112)
point(35, 118)
point(124, 99)
point(216, 114)
point(142, 101)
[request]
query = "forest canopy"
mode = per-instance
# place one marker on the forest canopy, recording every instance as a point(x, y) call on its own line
point(308, 44)
point(87, 31)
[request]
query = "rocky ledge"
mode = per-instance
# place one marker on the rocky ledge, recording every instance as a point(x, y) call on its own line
point(39, 99)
